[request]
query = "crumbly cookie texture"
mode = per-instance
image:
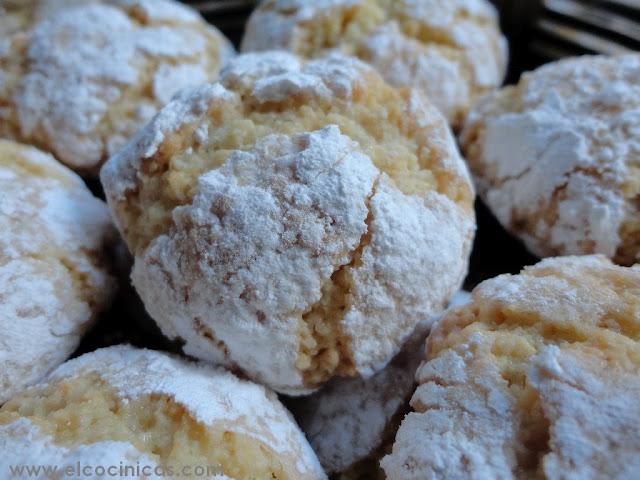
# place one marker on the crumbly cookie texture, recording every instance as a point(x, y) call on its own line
point(54, 276)
point(79, 79)
point(450, 49)
point(536, 377)
point(350, 423)
point(146, 407)
point(557, 157)
point(294, 221)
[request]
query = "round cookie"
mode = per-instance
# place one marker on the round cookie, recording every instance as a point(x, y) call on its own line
point(79, 79)
point(122, 406)
point(537, 377)
point(54, 277)
point(557, 157)
point(351, 423)
point(451, 49)
point(294, 221)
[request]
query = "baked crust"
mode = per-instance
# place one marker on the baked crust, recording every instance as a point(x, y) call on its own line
point(294, 220)
point(557, 157)
point(79, 79)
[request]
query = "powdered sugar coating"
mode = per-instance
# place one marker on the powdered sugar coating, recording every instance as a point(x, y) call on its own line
point(593, 410)
point(246, 68)
point(53, 277)
point(286, 214)
point(213, 397)
point(452, 50)
point(91, 66)
point(293, 228)
point(22, 442)
point(557, 158)
point(463, 423)
point(350, 419)
point(527, 378)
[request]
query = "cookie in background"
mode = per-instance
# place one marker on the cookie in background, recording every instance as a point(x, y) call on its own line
point(54, 272)
point(452, 50)
point(79, 78)
point(557, 157)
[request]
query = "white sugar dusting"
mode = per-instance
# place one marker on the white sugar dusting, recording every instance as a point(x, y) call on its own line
point(285, 214)
point(305, 197)
point(86, 58)
point(593, 410)
point(464, 425)
point(347, 420)
point(43, 312)
point(213, 397)
point(564, 138)
point(466, 57)
point(22, 441)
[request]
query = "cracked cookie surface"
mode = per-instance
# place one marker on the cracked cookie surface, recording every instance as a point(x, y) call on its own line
point(450, 49)
point(78, 79)
point(537, 373)
point(295, 221)
point(131, 407)
point(557, 157)
point(351, 422)
point(54, 277)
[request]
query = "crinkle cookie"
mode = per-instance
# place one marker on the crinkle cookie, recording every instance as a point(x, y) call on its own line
point(126, 406)
point(536, 378)
point(451, 49)
point(557, 157)
point(294, 221)
point(350, 423)
point(54, 277)
point(79, 78)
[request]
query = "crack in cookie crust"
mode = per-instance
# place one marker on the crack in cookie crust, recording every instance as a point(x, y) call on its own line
point(556, 157)
point(483, 408)
point(273, 200)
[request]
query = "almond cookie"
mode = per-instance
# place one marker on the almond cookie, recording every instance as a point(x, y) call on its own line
point(79, 78)
point(122, 406)
point(450, 49)
point(351, 422)
point(53, 273)
point(557, 157)
point(294, 221)
point(536, 378)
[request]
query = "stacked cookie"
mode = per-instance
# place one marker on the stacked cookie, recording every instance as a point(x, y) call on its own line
point(300, 219)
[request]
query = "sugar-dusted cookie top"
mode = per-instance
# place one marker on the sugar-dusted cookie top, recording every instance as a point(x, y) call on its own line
point(557, 157)
point(536, 376)
point(452, 50)
point(54, 273)
point(295, 220)
point(80, 78)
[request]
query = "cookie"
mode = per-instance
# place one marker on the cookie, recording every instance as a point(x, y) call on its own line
point(294, 221)
point(79, 79)
point(122, 406)
point(54, 277)
point(351, 423)
point(537, 376)
point(557, 157)
point(450, 49)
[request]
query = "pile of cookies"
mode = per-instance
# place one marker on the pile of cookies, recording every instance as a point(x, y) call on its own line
point(300, 218)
